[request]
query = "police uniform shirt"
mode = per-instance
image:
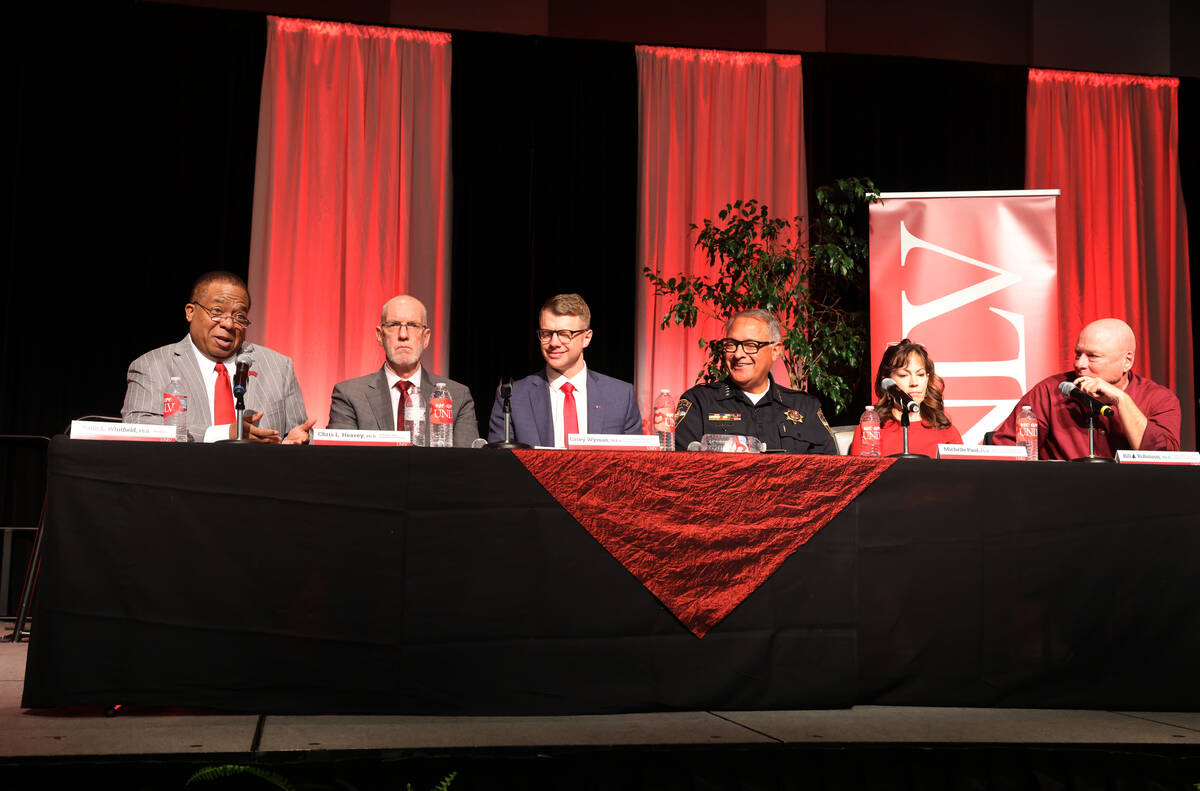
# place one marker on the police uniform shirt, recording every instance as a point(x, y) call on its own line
point(783, 419)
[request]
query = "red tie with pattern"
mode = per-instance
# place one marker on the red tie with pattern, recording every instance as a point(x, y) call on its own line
point(222, 398)
point(403, 387)
point(570, 416)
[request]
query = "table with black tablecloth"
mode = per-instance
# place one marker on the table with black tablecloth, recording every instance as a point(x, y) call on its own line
point(450, 581)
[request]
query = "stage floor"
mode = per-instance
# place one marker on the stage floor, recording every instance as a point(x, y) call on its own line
point(87, 732)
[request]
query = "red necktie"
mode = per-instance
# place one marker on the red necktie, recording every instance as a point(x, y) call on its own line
point(570, 416)
point(222, 398)
point(402, 386)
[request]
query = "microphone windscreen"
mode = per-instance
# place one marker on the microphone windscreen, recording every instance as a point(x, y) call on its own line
point(888, 382)
point(694, 445)
point(1066, 388)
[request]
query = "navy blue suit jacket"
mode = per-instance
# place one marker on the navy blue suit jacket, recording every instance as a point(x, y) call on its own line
point(612, 409)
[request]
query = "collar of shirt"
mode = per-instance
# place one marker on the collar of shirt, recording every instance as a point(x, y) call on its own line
point(208, 372)
point(734, 391)
point(558, 398)
point(392, 378)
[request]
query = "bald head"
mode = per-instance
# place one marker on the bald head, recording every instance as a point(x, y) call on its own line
point(409, 306)
point(1105, 350)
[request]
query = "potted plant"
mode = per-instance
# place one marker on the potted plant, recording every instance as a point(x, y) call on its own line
point(815, 283)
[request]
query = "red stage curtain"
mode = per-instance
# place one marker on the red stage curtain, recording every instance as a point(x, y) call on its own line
point(1109, 142)
point(351, 194)
point(713, 127)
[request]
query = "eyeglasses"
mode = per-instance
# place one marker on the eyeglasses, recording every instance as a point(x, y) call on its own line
point(411, 326)
point(218, 316)
point(564, 336)
point(730, 345)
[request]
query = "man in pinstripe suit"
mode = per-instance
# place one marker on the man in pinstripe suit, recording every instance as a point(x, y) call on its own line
point(204, 361)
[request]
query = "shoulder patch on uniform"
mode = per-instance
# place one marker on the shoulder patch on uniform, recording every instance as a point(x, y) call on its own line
point(824, 422)
point(681, 409)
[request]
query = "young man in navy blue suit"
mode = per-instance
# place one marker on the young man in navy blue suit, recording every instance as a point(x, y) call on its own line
point(566, 397)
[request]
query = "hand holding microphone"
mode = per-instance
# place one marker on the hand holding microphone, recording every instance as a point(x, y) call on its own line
point(1089, 402)
point(888, 385)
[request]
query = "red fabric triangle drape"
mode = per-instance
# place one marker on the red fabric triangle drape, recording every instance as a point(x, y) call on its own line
point(1110, 142)
point(701, 531)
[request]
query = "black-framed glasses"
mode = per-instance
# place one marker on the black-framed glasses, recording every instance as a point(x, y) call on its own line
point(730, 345)
point(411, 326)
point(218, 316)
point(564, 336)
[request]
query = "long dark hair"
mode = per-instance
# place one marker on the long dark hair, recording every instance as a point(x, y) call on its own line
point(896, 356)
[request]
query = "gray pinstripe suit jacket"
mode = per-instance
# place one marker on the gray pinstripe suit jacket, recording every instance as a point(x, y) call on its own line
point(273, 388)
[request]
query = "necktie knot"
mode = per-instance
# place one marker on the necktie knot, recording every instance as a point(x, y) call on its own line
point(568, 388)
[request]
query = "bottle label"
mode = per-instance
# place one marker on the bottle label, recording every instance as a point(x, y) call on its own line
point(664, 420)
point(173, 404)
point(1027, 431)
point(441, 411)
point(414, 414)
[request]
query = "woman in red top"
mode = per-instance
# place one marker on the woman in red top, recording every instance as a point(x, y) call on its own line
point(909, 364)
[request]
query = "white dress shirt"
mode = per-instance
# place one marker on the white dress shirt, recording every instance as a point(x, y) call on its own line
point(558, 398)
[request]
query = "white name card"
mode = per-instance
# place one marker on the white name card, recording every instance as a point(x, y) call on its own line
point(612, 441)
point(127, 432)
point(1158, 457)
point(353, 436)
point(1009, 452)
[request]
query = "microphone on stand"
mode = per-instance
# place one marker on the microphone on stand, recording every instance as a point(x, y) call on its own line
point(242, 374)
point(506, 398)
point(1089, 402)
point(241, 378)
point(906, 403)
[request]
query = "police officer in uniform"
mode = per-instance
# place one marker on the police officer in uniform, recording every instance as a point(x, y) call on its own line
point(749, 401)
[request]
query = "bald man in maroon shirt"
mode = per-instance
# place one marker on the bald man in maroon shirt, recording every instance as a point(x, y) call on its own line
point(1147, 415)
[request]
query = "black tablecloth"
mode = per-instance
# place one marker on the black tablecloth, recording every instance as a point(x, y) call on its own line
point(399, 580)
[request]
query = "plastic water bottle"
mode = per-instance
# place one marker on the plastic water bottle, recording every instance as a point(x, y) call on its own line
point(414, 418)
point(1027, 432)
point(869, 446)
point(441, 417)
point(664, 420)
point(175, 409)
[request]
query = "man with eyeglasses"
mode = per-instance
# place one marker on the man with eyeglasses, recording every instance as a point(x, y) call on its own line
point(749, 402)
point(566, 397)
point(374, 401)
point(217, 315)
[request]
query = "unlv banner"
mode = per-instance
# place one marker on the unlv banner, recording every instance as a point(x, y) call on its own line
point(974, 277)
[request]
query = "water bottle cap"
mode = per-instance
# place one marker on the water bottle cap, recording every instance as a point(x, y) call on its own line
point(665, 391)
point(870, 407)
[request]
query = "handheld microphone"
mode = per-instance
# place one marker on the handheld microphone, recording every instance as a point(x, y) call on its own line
point(241, 374)
point(889, 385)
point(1089, 402)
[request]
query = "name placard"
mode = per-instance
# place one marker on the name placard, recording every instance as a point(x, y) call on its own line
point(1158, 457)
point(612, 441)
point(124, 432)
point(354, 436)
point(1009, 452)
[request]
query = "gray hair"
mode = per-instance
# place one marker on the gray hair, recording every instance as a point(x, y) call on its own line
point(774, 330)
